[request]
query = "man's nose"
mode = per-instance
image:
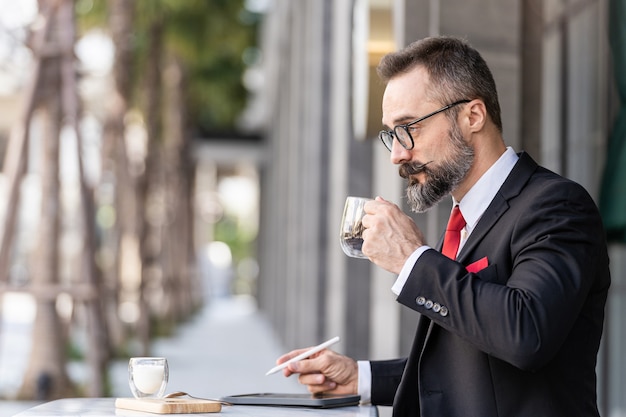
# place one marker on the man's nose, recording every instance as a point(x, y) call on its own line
point(399, 154)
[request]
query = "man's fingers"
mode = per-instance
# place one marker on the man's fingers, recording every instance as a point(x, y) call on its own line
point(317, 383)
point(305, 366)
point(290, 355)
point(312, 379)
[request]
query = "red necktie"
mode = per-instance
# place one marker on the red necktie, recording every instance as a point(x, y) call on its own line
point(452, 239)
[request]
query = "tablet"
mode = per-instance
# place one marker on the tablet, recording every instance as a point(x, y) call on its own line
point(294, 400)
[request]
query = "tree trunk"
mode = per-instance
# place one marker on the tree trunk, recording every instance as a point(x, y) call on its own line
point(116, 166)
point(147, 222)
point(98, 350)
point(179, 169)
point(46, 376)
point(17, 149)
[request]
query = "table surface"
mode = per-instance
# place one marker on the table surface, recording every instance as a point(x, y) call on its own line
point(105, 407)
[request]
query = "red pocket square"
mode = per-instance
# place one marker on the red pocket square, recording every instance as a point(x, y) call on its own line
point(478, 265)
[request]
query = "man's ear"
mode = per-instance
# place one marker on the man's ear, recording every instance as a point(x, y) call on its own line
point(476, 113)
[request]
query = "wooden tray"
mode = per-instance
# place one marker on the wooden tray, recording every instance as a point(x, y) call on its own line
point(169, 405)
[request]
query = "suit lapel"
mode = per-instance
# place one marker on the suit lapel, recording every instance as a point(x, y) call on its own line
point(511, 187)
point(493, 213)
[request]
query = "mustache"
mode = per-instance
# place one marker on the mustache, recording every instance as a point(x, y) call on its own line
point(406, 170)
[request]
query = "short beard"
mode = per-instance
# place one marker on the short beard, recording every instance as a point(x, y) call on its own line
point(441, 179)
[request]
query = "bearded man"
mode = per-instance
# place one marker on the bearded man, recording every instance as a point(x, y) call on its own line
point(509, 314)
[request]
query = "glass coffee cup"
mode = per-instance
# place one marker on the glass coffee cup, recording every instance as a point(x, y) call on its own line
point(351, 235)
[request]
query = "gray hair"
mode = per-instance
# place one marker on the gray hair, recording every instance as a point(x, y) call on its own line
point(456, 70)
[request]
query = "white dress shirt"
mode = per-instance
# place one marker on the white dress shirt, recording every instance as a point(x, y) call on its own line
point(472, 206)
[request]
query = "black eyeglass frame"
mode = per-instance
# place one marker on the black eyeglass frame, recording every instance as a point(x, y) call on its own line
point(390, 134)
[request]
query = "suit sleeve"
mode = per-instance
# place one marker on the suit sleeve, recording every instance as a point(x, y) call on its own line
point(386, 376)
point(547, 260)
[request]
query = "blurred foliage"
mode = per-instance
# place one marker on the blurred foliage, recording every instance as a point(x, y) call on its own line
point(212, 38)
point(239, 239)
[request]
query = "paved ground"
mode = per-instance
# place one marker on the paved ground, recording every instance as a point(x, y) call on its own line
point(226, 349)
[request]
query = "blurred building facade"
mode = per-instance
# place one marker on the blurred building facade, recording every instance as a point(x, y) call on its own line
point(321, 105)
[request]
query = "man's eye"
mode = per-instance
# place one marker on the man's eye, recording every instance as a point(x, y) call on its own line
point(413, 129)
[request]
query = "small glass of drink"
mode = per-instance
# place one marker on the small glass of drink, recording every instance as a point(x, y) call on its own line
point(351, 236)
point(148, 377)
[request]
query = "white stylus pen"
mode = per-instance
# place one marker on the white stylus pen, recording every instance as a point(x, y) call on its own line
point(303, 355)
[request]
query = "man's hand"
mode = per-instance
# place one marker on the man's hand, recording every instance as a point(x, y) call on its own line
point(390, 236)
point(326, 372)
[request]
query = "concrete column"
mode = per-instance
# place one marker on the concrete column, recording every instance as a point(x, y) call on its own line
point(340, 136)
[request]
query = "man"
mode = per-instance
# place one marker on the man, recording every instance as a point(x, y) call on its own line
point(509, 324)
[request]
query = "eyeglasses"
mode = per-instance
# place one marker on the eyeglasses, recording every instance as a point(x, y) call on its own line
point(402, 132)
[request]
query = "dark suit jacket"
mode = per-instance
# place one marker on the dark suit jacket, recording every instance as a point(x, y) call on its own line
point(519, 337)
